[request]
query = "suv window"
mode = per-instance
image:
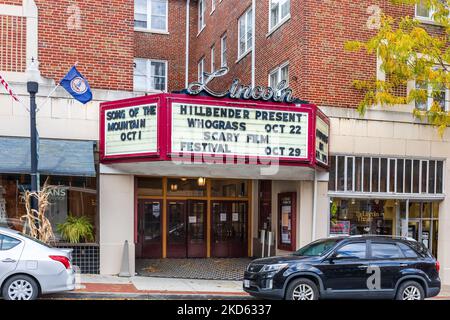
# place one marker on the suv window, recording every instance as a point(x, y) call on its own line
point(407, 250)
point(7, 243)
point(352, 250)
point(386, 251)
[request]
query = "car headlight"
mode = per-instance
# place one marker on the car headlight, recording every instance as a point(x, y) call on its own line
point(273, 267)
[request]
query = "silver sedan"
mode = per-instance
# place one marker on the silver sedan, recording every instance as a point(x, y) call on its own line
point(29, 268)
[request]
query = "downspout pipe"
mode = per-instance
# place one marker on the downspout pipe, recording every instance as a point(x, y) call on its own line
point(253, 43)
point(188, 5)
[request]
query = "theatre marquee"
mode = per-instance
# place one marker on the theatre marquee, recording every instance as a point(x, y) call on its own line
point(167, 126)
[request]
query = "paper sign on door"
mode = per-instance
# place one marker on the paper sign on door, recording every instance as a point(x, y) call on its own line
point(235, 216)
point(192, 219)
point(223, 217)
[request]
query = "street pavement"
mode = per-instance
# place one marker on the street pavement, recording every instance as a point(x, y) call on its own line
point(97, 287)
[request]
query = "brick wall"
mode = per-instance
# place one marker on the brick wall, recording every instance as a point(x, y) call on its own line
point(170, 47)
point(312, 40)
point(102, 42)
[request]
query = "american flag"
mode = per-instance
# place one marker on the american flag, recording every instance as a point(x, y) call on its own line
point(11, 93)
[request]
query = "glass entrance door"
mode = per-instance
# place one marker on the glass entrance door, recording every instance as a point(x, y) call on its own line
point(196, 238)
point(176, 229)
point(423, 224)
point(229, 229)
point(149, 243)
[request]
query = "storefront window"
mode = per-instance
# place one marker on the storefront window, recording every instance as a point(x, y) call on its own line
point(352, 217)
point(418, 220)
point(229, 188)
point(72, 197)
point(186, 188)
point(149, 186)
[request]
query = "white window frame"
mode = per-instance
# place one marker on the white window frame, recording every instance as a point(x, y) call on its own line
point(247, 49)
point(430, 98)
point(149, 22)
point(223, 50)
point(213, 6)
point(277, 70)
point(213, 58)
point(281, 20)
point(148, 76)
point(201, 70)
point(429, 18)
point(201, 16)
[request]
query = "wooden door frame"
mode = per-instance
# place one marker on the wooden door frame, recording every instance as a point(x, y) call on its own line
point(175, 254)
point(139, 236)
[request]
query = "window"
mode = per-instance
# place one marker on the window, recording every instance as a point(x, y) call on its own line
point(72, 196)
point(279, 12)
point(223, 53)
point(213, 59)
point(201, 70)
point(434, 93)
point(229, 188)
point(245, 33)
point(7, 243)
point(279, 74)
point(386, 251)
point(385, 175)
point(150, 75)
point(407, 251)
point(352, 251)
point(317, 248)
point(151, 15)
point(201, 15)
point(422, 12)
point(213, 5)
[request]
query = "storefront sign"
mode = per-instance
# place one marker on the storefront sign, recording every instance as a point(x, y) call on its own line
point(131, 130)
point(207, 129)
point(322, 136)
point(281, 93)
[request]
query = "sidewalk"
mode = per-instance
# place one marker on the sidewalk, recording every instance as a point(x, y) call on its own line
point(159, 286)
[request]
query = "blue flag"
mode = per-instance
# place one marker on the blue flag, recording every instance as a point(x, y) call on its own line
point(77, 86)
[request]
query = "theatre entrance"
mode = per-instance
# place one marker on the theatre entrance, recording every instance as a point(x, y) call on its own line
point(192, 218)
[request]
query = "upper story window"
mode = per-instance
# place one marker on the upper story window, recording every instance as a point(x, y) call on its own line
point(151, 15)
point(201, 15)
point(150, 75)
point(279, 74)
point(434, 93)
point(280, 11)
point(245, 36)
point(201, 70)
point(423, 12)
point(223, 52)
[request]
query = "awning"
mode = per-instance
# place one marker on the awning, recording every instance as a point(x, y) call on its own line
point(56, 157)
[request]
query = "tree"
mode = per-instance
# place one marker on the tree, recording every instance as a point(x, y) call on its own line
point(409, 52)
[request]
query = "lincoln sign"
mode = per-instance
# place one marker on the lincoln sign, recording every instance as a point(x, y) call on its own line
point(166, 127)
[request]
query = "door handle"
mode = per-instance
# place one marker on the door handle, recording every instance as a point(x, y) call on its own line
point(403, 264)
point(363, 267)
point(9, 260)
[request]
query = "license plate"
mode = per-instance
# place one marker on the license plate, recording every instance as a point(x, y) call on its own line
point(247, 283)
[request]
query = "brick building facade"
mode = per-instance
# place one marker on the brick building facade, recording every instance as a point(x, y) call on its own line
point(128, 48)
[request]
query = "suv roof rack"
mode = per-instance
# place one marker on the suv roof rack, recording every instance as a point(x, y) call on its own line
point(382, 236)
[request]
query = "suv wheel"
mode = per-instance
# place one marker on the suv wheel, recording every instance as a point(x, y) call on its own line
point(410, 290)
point(302, 289)
point(20, 287)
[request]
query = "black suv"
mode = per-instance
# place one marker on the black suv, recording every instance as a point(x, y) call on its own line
point(348, 267)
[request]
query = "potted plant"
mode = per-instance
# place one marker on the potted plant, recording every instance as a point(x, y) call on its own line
point(76, 229)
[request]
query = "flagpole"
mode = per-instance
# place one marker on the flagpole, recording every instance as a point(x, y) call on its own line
point(48, 97)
